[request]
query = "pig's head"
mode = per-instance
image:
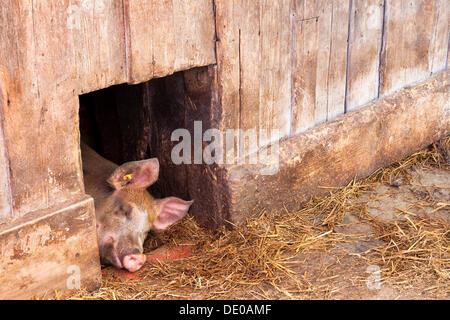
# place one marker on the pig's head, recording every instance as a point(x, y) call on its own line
point(129, 212)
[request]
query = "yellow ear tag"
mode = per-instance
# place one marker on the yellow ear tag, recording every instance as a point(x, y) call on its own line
point(127, 177)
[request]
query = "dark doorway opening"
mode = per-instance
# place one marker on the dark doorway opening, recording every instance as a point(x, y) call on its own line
point(134, 122)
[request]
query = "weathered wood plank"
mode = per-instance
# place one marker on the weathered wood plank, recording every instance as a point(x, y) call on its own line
point(250, 71)
point(19, 84)
point(324, 12)
point(338, 59)
point(304, 69)
point(53, 227)
point(204, 182)
point(48, 250)
point(194, 34)
point(164, 44)
point(56, 109)
point(365, 45)
point(254, 68)
point(38, 65)
point(320, 62)
point(276, 66)
point(440, 37)
point(5, 191)
point(99, 46)
point(138, 36)
point(408, 33)
point(161, 40)
point(228, 68)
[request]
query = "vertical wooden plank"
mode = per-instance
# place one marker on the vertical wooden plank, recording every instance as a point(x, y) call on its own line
point(440, 37)
point(338, 59)
point(42, 111)
point(163, 38)
point(417, 48)
point(283, 107)
point(138, 36)
point(5, 192)
point(228, 67)
point(57, 104)
point(365, 45)
point(194, 33)
point(254, 67)
point(276, 64)
point(99, 46)
point(167, 36)
point(407, 42)
point(304, 73)
point(320, 62)
point(250, 71)
point(17, 58)
point(324, 12)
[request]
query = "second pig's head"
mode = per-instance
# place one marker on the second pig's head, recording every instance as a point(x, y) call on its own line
point(129, 212)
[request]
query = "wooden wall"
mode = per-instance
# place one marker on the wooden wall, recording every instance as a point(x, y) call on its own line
point(287, 65)
point(133, 41)
point(51, 51)
point(293, 64)
point(45, 63)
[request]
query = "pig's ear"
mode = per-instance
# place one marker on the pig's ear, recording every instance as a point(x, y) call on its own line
point(170, 210)
point(135, 174)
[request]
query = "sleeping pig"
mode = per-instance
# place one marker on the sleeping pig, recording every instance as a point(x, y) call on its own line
point(125, 211)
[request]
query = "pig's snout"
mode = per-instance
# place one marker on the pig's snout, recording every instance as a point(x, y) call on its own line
point(121, 256)
point(133, 262)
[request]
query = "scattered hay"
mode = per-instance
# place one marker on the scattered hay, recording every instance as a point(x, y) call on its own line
point(261, 258)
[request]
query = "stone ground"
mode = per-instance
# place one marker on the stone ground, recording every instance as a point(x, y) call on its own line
point(349, 276)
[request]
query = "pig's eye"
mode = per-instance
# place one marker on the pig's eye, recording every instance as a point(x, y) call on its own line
point(127, 213)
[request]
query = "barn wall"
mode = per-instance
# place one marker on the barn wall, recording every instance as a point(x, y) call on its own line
point(293, 64)
point(134, 41)
point(282, 65)
point(286, 65)
point(333, 154)
point(50, 52)
point(40, 105)
point(46, 63)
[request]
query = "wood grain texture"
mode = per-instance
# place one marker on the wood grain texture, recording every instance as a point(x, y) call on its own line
point(365, 45)
point(405, 58)
point(338, 59)
point(276, 66)
point(167, 36)
point(254, 63)
point(382, 132)
point(324, 12)
point(320, 62)
point(20, 87)
point(40, 119)
point(251, 76)
point(228, 68)
point(58, 103)
point(163, 44)
point(41, 251)
point(440, 37)
point(98, 40)
point(5, 191)
point(194, 34)
point(305, 72)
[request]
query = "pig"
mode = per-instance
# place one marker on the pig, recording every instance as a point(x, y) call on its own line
point(124, 209)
